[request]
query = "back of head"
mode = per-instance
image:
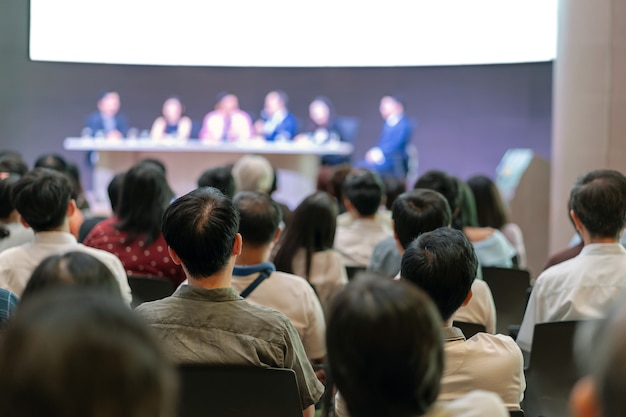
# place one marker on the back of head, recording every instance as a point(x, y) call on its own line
point(599, 201)
point(253, 173)
point(466, 207)
point(444, 184)
point(259, 218)
point(385, 348)
point(13, 163)
point(7, 183)
point(418, 211)
point(393, 188)
point(220, 178)
point(156, 163)
point(42, 197)
point(52, 161)
point(71, 269)
point(308, 234)
point(145, 196)
point(489, 205)
point(364, 190)
point(114, 190)
point(444, 265)
point(201, 227)
point(99, 360)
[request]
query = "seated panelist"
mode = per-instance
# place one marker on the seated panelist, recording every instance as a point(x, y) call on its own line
point(277, 123)
point(227, 122)
point(172, 122)
point(107, 121)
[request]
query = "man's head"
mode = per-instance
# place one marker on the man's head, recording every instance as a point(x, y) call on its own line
point(99, 359)
point(444, 265)
point(43, 198)
point(363, 192)
point(385, 348)
point(109, 103)
point(227, 102)
point(444, 184)
point(201, 229)
point(598, 202)
point(391, 105)
point(259, 216)
point(418, 211)
point(220, 178)
point(275, 101)
point(253, 173)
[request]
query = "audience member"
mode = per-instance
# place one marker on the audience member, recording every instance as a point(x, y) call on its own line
point(255, 278)
point(306, 248)
point(12, 231)
point(335, 186)
point(227, 122)
point(77, 353)
point(363, 194)
point(12, 163)
point(107, 121)
point(583, 286)
point(8, 305)
point(389, 157)
point(220, 178)
point(385, 353)
point(207, 321)
point(79, 194)
point(393, 188)
point(276, 122)
point(43, 199)
point(492, 213)
point(416, 212)
point(172, 122)
point(443, 264)
point(113, 191)
point(71, 269)
point(492, 248)
point(134, 233)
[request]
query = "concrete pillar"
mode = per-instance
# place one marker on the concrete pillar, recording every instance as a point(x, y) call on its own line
point(589, 107)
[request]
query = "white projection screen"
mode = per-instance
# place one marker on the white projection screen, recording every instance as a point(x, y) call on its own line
point(293, 33)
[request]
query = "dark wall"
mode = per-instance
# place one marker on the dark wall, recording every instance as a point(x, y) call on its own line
point(468, 116)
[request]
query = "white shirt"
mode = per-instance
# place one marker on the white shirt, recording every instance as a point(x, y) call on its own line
point(495, 250)
point(356, 240)
point(294, 297)
point(516, 238)
point(579, 288)
point(484, 362)
point(18, 263)
point(474, 404)
point(328, 273)
point(18, 235)
point(481, 308)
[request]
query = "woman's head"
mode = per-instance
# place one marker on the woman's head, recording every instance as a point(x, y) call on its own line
point(173, 110)
point(72, 269)
point(321, 111)
point(145, 196)
point(489, 205)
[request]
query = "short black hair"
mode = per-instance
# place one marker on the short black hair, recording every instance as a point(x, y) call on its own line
point(259, 217)
point(364, 189)
point(418, 211)
point(52, 161)
point(103, 93)
point(95, 346)
point(71, 268)
point(42, 197)
point(282, 95)
point(443, 264)
point(220, 178)
point(443, 183)
point(599, 200)
point(156, 162)
point(385, 348)
point(201, 227)
point(115, 189)
point(13, 163)
point(7, 183)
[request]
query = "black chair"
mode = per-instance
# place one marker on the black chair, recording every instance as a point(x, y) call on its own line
point(469, 329)
point(509, 288)
point(149, 289)
point(351, 271)
point(227, 391)
point(551, 373)
point(516, 413)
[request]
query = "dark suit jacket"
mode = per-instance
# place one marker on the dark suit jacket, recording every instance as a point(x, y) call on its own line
point(392, 142)
point(95, 123)
point(288, 128)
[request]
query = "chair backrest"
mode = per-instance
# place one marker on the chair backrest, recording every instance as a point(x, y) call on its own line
point(516, 413)
point(348, 127)
point(508, 287)
point(227, 391)
point(149, 289)
point(470, 329)
point(551, 373)
point(351, 271)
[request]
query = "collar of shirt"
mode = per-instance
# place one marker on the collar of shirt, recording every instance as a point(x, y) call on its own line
point(603, 249)
point(207, 294)
point(55, 237)
point(452, 334)
point(393, 119)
